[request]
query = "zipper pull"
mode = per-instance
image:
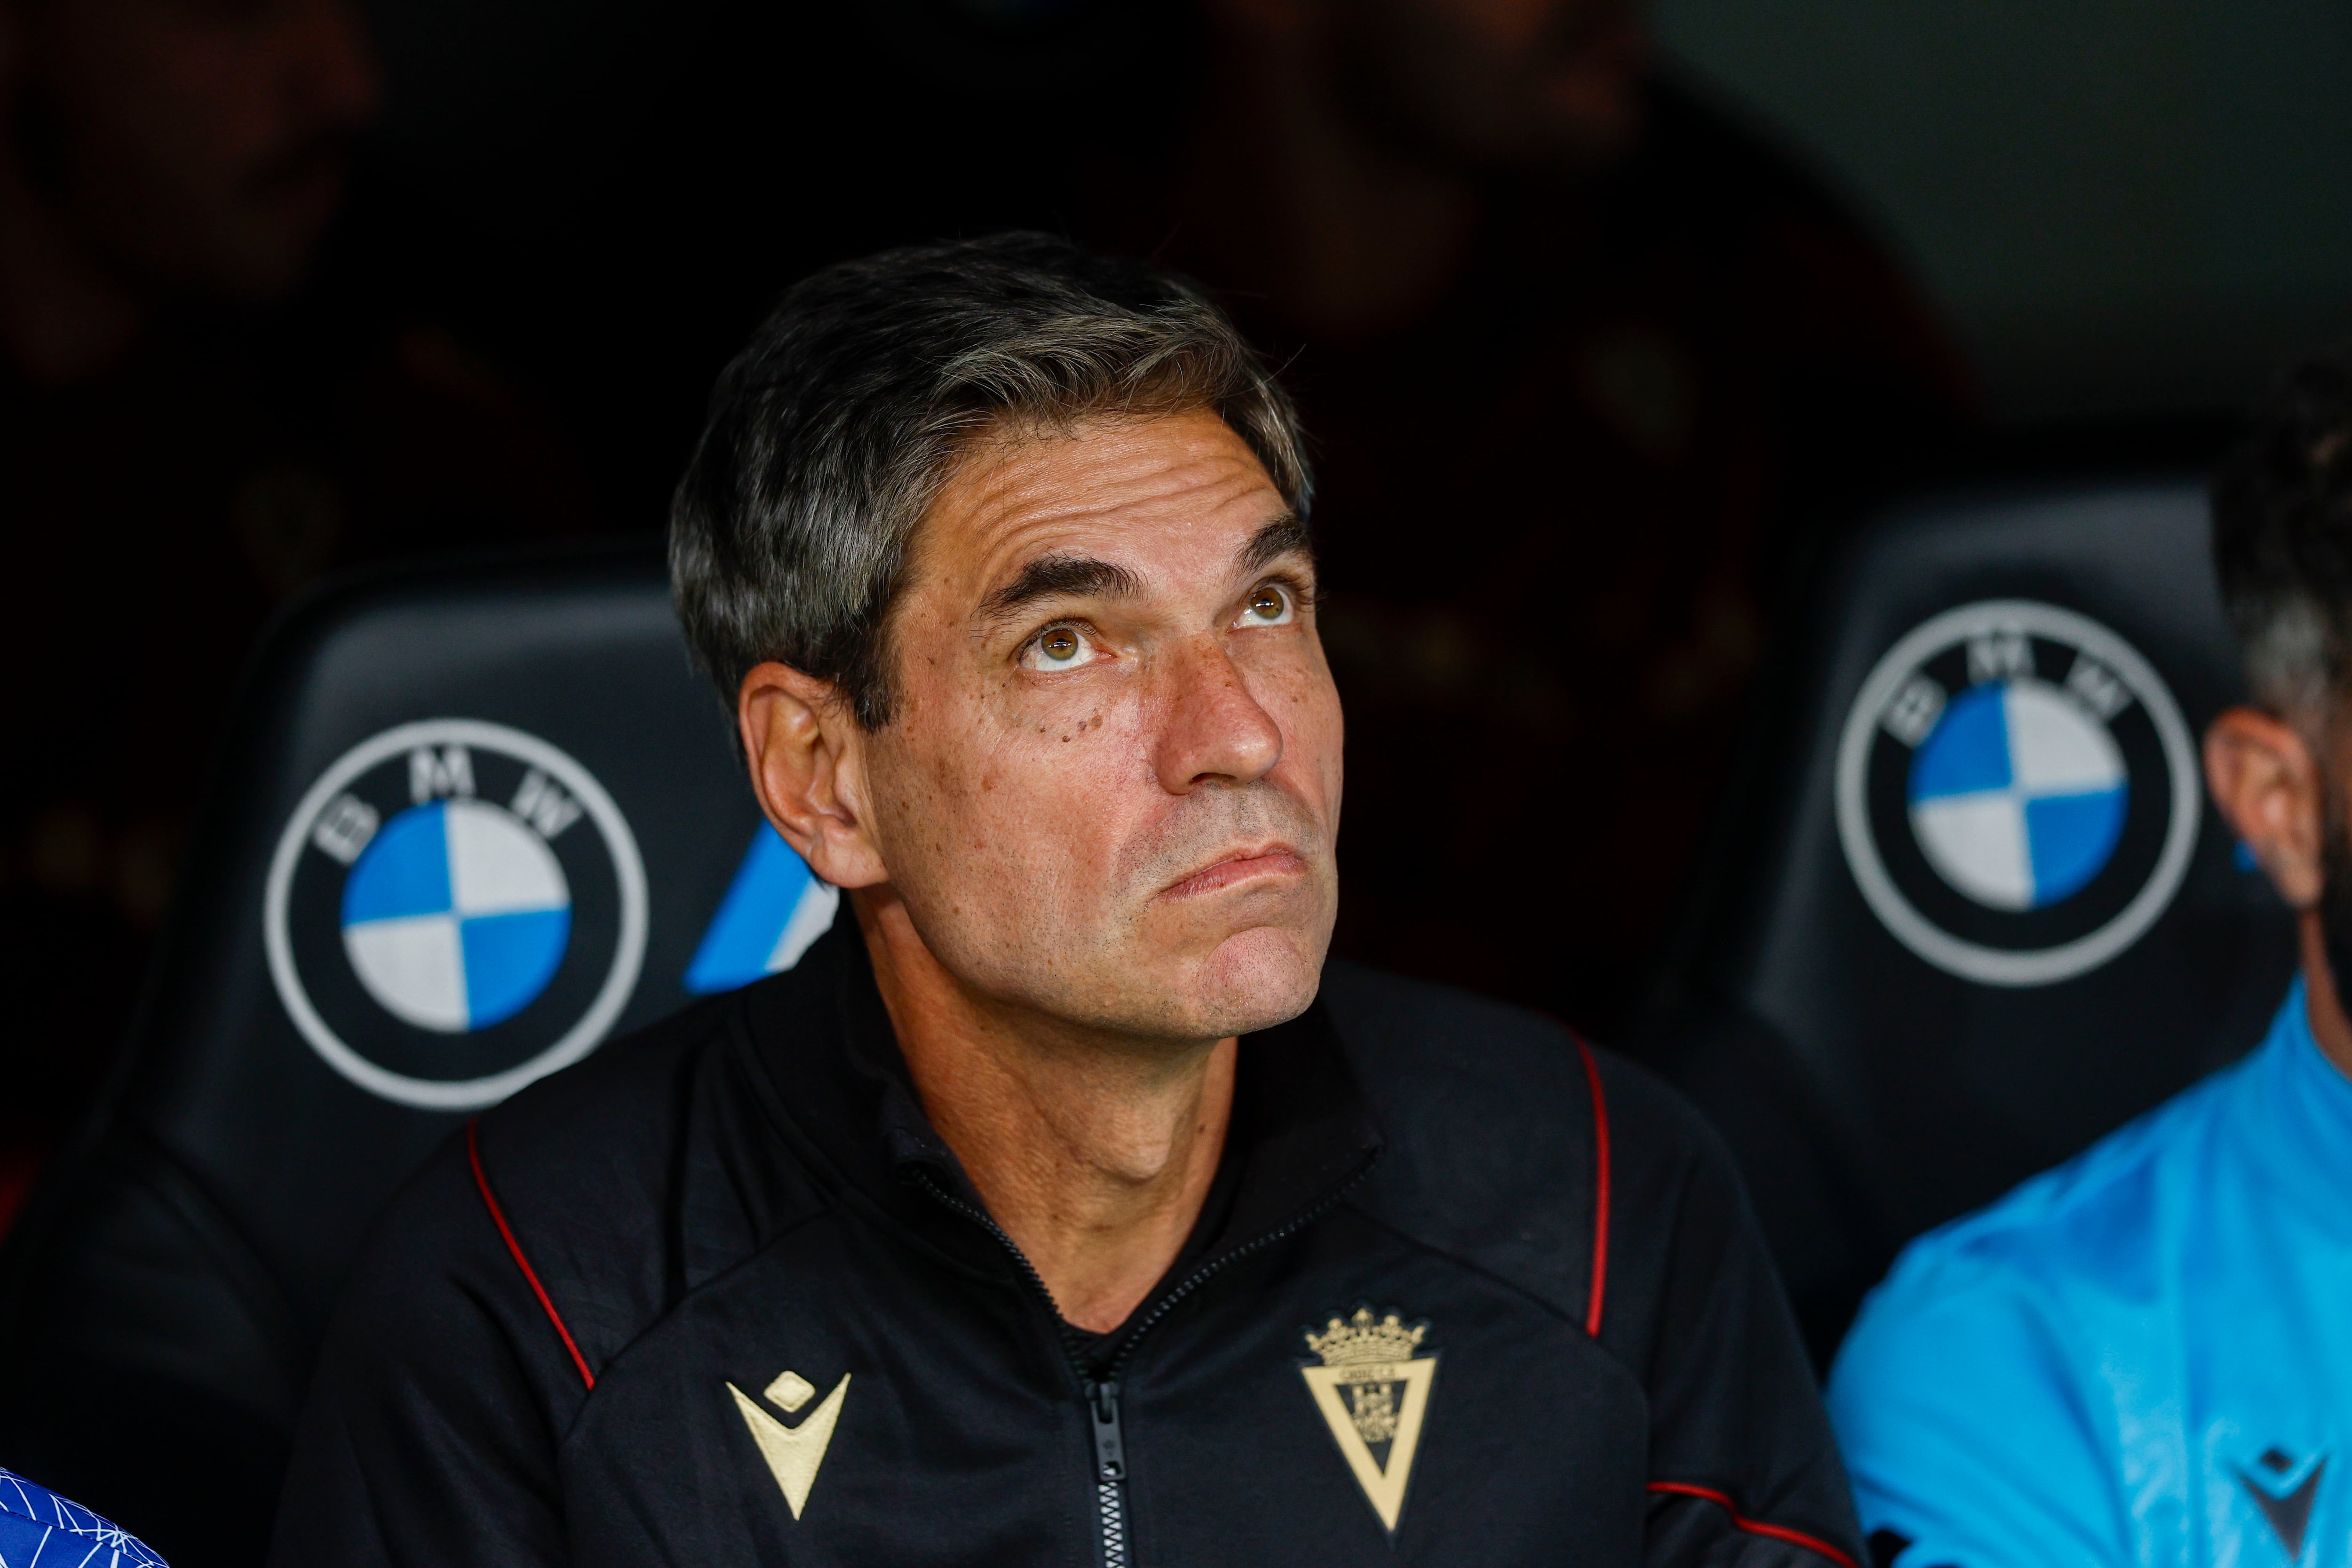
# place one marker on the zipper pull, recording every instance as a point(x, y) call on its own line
point(1111, 1450)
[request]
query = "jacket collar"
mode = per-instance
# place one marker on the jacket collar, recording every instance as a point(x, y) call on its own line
point(1302, 1127)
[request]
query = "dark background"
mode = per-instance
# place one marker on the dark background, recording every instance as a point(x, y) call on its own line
point(1890, 244)
point(2122, 210)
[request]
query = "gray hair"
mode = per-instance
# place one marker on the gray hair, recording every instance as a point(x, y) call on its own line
point(2283, 543)
point(830, 435)
point(2291, 660)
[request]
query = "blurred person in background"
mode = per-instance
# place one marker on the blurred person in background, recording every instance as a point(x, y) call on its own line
point(1537, 297)
point(192, 427)
point(2143, 1356)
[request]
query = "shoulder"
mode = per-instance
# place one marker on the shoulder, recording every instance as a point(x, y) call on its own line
point(585, 1165)
point(1510, 1140)
point(1976, 1367)
point(614, 1187)
point(2091, 1225)
point(1428, 1039)
point(608, 1125)
point(1437, 1058)
point(587, 1146)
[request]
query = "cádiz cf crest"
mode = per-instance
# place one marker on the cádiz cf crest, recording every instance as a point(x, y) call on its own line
point(1373, 1391)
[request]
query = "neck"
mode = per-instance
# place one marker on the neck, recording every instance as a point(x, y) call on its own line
point(62, 320)
point(2321, 1003)
point(1094, 1153)
point(1297, 201)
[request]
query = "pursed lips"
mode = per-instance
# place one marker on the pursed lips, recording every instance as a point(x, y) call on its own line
point(1243, 866)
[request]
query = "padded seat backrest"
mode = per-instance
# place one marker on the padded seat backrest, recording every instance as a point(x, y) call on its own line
point(1974, 911)
point(468, 824)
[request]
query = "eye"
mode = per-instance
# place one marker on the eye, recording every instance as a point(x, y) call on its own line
point(1059, 648)
point(1269, 604)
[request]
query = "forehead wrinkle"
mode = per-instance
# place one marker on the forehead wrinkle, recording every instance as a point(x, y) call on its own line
point(1014, 495)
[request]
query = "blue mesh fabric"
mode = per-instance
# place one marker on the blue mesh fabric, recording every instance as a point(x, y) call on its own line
point(36, 1526)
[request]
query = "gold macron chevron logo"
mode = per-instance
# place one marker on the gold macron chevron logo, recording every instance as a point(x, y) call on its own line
point(1372, 1390)
point(793, 1453)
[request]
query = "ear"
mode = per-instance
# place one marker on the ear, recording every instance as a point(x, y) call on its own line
point(806, 753)
point(2268, 784)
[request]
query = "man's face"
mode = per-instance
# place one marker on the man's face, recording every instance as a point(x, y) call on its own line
point(192, 145)
point(1552, 83)
point(1110, 786)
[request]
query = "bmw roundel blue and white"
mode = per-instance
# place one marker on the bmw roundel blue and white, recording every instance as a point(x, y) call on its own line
point(454, 907)
point(2018, 795)
point(456, 916)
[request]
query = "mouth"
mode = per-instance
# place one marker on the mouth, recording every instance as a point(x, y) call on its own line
point(1257, 863)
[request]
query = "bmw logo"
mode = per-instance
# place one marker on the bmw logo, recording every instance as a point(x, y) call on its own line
point(455, 908)
point(2016, 794)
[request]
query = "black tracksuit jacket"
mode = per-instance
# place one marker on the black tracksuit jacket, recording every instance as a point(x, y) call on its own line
point(721, 1294)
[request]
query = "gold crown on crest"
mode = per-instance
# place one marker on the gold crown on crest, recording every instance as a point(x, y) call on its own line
point(1360, 1340)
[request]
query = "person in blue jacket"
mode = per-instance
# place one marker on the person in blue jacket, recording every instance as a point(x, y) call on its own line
point(39, 1529)
point(2144, 1356)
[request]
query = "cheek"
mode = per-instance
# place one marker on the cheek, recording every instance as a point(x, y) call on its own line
point(1063, 788)
point(1305, 704)
point(1028, 810)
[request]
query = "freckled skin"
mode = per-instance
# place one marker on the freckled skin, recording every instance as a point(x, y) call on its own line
point(1033, 820)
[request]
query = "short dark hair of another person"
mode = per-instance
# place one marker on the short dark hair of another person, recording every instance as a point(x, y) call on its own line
point(2283, 541)
point(829, 435)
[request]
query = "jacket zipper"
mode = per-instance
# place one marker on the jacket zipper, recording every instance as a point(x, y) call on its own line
point(1102, 1395)
point(1111, 1472)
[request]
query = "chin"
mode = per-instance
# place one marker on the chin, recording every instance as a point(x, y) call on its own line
point(1258, 978)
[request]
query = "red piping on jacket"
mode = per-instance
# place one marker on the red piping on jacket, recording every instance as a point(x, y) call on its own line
point(1754, 1526)
point(1600, 1189)
point(474, 1153)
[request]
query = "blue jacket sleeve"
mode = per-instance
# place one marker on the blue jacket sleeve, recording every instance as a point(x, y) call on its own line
point(1971, 1430)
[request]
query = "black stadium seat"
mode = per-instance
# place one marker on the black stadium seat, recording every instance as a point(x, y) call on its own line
point(468, 823)
point(1970, 908)
point(1970, 912)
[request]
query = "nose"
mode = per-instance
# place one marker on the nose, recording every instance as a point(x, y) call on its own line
point(1213, 730)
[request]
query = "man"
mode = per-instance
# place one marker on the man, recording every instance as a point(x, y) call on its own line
point(2143, 1356)
point(186, 439)
point(1061, 1207)
point(1527, 282)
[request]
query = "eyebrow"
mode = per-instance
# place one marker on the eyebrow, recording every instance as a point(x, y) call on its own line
point(1086, 576)
point(1060, 577)
point(1285, 535)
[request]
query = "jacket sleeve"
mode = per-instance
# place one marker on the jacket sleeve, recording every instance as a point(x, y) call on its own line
point(429, 1436)
point(1742, 1466)
point(1972, 1444)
